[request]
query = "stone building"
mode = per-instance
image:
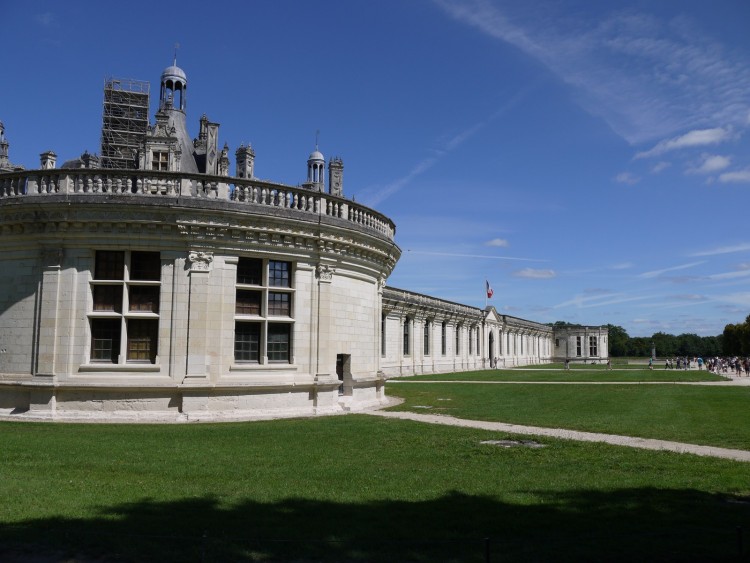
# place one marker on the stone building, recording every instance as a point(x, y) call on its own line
point(151, 284)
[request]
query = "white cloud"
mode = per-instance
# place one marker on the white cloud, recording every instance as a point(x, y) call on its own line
point(657, 273)
point(741, 176)
point(711, 164)
point(695, 138)
point(623, 266)
point(660, 166)
point(723, 250)
point(531, 273)
point(498, 242)
point(627, 178)
point(743, 266)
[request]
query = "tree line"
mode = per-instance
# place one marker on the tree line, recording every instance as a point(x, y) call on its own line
point(734, 341)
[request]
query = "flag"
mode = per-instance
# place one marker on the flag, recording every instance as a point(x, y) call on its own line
point(489, 289)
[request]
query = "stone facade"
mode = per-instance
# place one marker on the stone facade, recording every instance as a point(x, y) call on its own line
point(581, 344)
point(175, 292)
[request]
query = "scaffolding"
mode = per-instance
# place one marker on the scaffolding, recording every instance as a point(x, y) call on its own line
point(124, 122)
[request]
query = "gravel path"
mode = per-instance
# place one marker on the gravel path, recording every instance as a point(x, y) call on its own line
point(643, 443)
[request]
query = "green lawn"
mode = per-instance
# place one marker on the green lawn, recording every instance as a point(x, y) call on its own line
point(593, 373)
point(372, 489)
point(717, 416)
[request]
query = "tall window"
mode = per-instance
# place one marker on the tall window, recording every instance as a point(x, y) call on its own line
point(264, 312)
point(471, 340)
point(578, 345)
point(407, 336)
point(426, 346)
point(478, 342)
point(593, 348)
point(124, 320)
point(458, 339)
point(443, 339)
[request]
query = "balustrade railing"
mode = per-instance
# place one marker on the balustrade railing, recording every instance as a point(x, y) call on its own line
point(239, 191)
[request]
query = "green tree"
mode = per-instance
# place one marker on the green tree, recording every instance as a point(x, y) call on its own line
point(666, 344)
point(618, 341)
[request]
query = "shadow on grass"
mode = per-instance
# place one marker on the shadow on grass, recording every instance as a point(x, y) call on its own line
point(625, 525)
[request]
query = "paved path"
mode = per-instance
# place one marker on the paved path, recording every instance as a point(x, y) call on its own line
point(643, 443)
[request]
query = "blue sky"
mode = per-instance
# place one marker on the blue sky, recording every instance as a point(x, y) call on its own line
point(590, 159)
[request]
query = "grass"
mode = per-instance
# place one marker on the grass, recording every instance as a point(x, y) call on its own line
point(592, 374)
point(710, 415)
point(371, 489)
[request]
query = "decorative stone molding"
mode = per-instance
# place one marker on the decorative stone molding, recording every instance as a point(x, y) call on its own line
point(325, 272)
point(200, 261)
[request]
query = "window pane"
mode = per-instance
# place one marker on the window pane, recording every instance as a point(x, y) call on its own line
point(110, 265)
point(144, 298)
point(108, 298)
point(279, 274)
point(278, 342)
point(246, 342)
point(248, 302)
point(142, 336)
point(279, 304)
point(250, 271)
point(145, 266)
point(105, 340)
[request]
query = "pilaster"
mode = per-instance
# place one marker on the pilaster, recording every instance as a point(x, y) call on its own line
point(198, 341)
point(47, 313)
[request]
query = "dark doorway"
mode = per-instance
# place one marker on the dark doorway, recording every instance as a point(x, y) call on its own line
point(344, 373)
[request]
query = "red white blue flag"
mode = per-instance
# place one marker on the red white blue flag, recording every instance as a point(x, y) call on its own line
point(489, 289)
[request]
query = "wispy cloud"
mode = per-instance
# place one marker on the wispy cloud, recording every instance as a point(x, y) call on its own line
point(739, 177)
point(622, 266)
point(657, 273)
point(531, 273)
point(743, 247)
point(696, 138)
point(585, 302)
point(483, 256)
point(498, 243)
point(647, 77)
point(660, 167)
point(627, 178)
point(730, 275)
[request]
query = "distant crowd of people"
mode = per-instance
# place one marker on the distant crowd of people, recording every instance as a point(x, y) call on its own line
point(736, 365)
point(718, 365)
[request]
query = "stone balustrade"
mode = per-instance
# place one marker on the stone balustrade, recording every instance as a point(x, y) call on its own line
point(239, 191)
